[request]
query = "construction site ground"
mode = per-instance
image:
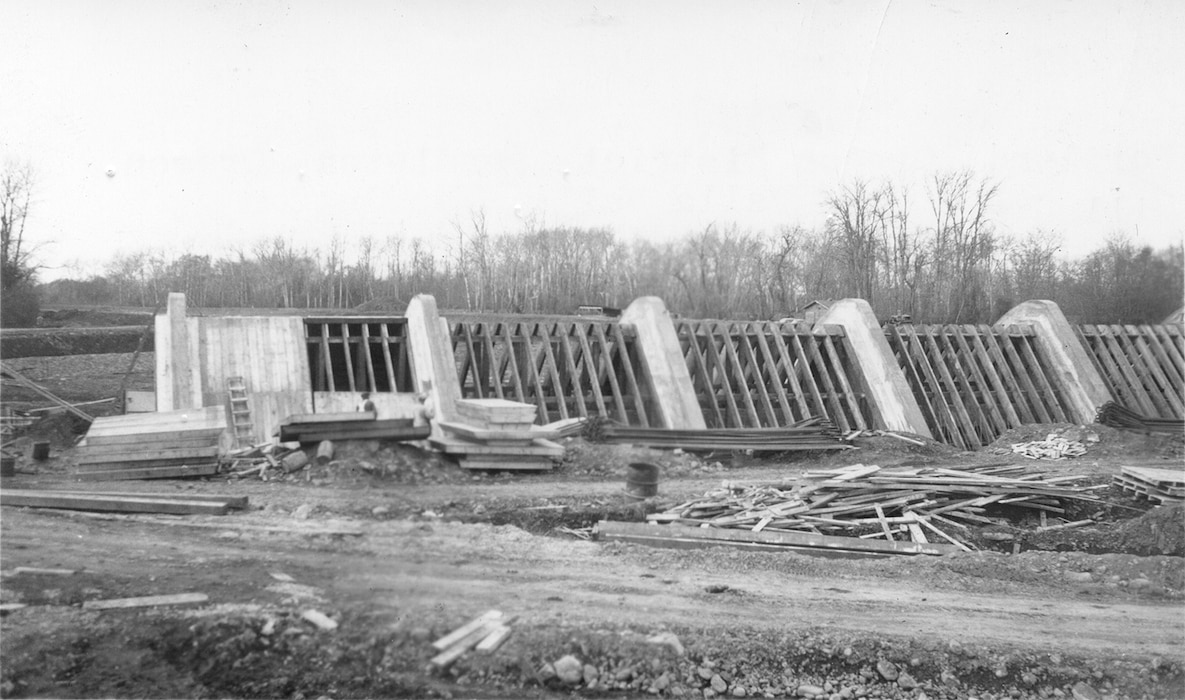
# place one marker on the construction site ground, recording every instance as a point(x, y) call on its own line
point(400, 547)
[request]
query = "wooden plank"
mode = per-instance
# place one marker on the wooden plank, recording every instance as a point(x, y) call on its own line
point(590, 369)
point(803, 366)
point(695, 361)
point(122, 443)
point(991, 400)
point(233, 502)
point(1045, 388)
point(364, 350)
point(987, 428)
point(787, 366)
point(1134, 389)
point(755, 364)
point(327, 357)
point(300, 419)
point(562, 336)
point(477, 369)
point(1003, 397)
point(512, 363)
point(145, 601)
point(379, 431)
point(604, 363)
point(533, 370)
point(458, 634)
point(557, 379)
point(738, 373)
point(837, 414)
point(473, 432)
point(913, 376)
point(1139, 370)
point(971, 437)
point(388, 363)
point(492, 357)
point(1170, 341)
point(773, 377)
point(117, 504)
point(844, 385)
point(1160, 386)
point(499, 633)
point(719, 374)
point(952, 428)
point(608, 530)
point(517, 464)
point(496, 410)
point(631, 381)
point(150, 473)
point(142, 454)
point(535, 448)
point(1171, 369)
point(1022, 375)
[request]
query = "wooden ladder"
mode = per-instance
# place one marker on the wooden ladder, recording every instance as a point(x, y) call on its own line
point(240, 412)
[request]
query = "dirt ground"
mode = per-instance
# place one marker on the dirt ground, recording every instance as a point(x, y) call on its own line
point(399, 547)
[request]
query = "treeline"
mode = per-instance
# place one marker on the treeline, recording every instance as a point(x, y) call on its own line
point(947, 265)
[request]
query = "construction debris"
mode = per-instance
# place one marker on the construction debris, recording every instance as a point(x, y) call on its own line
point(1051, 448)
point(1117, 416)
point(810, 434)
point(498, 434)
point(1161, 485)
point(154, 445)
point(870, 503)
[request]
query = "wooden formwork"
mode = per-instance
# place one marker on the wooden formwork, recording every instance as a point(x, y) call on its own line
point(1143, 366)
point(763, 374)
point(568, 366)
point(973, 383)
point(359, 354)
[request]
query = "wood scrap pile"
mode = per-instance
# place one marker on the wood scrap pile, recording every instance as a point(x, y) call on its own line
point(918, 505)
point(123, 502)
point(359, 425)
point(498, 434)
point(1165, 486)
point(810, 434)
point(484, 634)
point(1117, 416)
point(266, 462)
point(1052, 448)
point(154, 445)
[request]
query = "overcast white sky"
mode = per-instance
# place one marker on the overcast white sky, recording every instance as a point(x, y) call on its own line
point(228, 122)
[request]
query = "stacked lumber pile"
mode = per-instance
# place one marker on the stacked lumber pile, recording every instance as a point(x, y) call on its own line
point(862, 508)
point(810, 434)
point(122, 502)
point(154, 445)
point(1052, 448)
point(498, 434)
point(1117, 416)
point(359, 425)
point(1166, 486)
point(484, 634)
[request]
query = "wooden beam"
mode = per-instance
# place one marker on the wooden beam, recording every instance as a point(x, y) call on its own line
point(145, 601)
point(150, 473)
point(117, 504)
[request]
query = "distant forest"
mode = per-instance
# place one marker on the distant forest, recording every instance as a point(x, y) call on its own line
point(944, 265)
